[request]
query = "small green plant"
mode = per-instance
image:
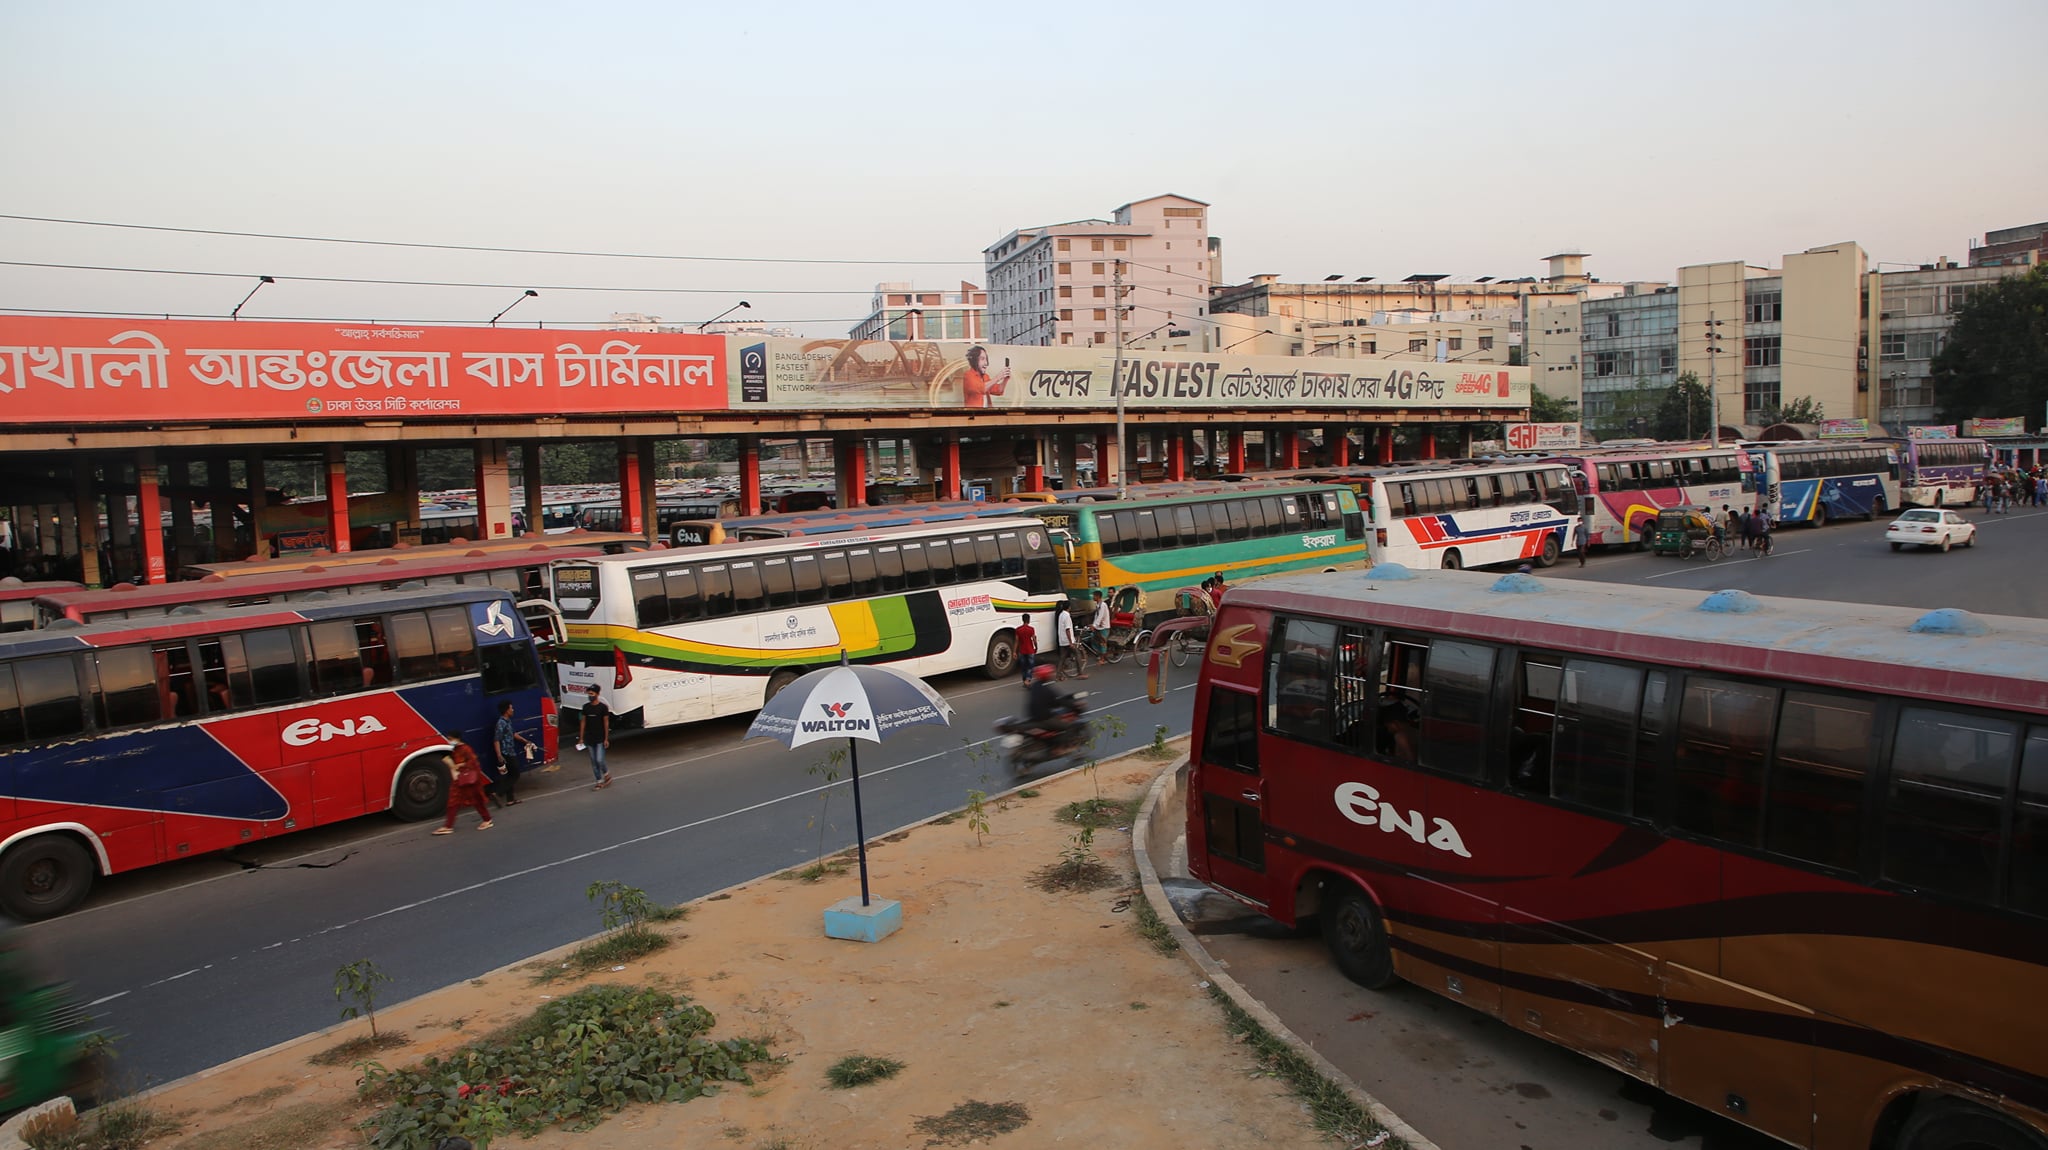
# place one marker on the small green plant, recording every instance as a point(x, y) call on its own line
point(1330, 1108)
point(356, 986)
point(826, 769)
point(1159, 748)
point(977, 815)
point(1079, 854)
point(861, 1069)
point(1150, 926)
point(627, 908)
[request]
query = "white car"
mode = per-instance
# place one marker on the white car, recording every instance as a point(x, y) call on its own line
point(1930, 527)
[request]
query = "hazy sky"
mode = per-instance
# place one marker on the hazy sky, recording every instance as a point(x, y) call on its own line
point(1357, 138)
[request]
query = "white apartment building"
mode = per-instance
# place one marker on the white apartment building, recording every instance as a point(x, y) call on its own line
point(902, 312)
point(1056, 284)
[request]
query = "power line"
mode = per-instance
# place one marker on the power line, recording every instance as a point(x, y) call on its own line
point(477, 247)
point(436, 283)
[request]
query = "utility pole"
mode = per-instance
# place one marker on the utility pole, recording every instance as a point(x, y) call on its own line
point(1714, 350)
point(1116, 378)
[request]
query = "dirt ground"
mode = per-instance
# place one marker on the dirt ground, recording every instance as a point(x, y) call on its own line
point(993, 991)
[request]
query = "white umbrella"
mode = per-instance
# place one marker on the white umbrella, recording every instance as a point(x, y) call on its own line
point(850, 702)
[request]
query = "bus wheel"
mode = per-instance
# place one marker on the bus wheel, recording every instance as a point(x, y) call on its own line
point(1550, 552)
point(777, 682)
point(1357, 937)
point(1642, 534)
point(45, 876)
point(1877, 508)
point(423, 788)
point(1820, 516)
point(1453, 561)
point(1944, 1125)
point(1002, 655)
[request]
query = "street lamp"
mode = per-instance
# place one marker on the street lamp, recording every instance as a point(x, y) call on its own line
point(260, 281)
point(1249, 338)
point(529, 294)
point(723, 314)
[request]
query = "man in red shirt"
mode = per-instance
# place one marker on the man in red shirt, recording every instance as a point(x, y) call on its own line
point(467, 787)
point(1027, 648)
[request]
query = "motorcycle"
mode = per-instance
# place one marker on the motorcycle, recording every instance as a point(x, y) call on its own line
point(1028, 744)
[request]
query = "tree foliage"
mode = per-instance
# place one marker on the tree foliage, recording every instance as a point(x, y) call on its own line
point(1547, 408)
point(1996, 361)
point(1684, 411)
point(1801, 410)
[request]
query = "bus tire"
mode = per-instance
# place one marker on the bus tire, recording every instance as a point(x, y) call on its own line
point(45, 876)
point(1642, 530)
point(1002, 656)
point(1942, 1124)
point(1820, 516)
point(777, 683)
point(423, 788)
point(1453, 561)
point(1877, 508)
point(1357, 936)
point(1551, 550)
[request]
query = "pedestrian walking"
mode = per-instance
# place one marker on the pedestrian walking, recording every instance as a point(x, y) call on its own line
point(1063, 641)
point(594, 734)
point(1027, 649)
point(1100, 625)
point(1582, 536)
point(1747, 524)
point(514, 751)
point(466, 788)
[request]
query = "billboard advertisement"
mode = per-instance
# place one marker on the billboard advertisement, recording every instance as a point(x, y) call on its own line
point(1940, 431)
point(2014, 425)
point(1844, 429)
point(75, 370)
point(885, 375)
point(1542, 436)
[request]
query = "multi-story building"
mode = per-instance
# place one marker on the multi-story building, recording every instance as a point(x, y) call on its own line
point(1471, 335)
point(1627, 357)
point(1057, 284)
point(1912, 312)
point(1763, 338)
point(900, 311)
point(2008, 247)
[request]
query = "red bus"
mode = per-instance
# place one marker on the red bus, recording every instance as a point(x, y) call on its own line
point(18, 601)
point(1786, 860)
point(538, 545)
point(127, 744)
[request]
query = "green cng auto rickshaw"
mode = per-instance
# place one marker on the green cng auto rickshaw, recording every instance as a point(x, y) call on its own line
point(1686, 532)
point(47, 1045)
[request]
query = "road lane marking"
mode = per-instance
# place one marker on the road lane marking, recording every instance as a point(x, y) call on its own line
point(1727, 563)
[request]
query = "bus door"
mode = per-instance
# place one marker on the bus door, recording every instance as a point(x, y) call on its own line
point(1232, 791)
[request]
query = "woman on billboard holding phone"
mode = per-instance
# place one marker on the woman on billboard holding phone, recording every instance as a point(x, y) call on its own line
point(981, 387)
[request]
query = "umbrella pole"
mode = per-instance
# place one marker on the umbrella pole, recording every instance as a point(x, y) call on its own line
point(860, 833)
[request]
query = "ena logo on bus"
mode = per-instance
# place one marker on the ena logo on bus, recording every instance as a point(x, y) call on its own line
point(1361, 804)
point(306, 732)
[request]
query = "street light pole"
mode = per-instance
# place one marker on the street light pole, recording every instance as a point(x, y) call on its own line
point(1116, 378)
point(1713, 376)
point(529, 294)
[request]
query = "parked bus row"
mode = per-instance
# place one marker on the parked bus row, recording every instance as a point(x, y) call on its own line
point(1785, 860)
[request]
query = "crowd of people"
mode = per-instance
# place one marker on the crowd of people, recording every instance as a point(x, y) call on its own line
point(2008, 487)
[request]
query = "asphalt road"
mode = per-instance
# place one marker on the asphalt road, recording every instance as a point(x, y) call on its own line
point(1469, 1082)
point(200, 962)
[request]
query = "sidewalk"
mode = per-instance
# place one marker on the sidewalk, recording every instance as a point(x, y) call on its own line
point(993, 991)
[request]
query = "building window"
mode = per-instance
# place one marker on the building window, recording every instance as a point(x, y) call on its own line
point(1101, 337)
point(1066, 291)
point(1760, 351)
point(1066, 315)
point(1892, 345)
point(1485, 343)
point(1958, 295)
point(1369, 347)
point(1759, 397)
point(1119, 245)
point(1100, 291)
point(1096, 268)
point(1765, 307)
point(1667, 359)
point(1418, 345)
point(1101, 313)
point(1066, 245)
point(1067, 337)
point(1456, 343)
point(1603, 363)
point(1923, 344)
point(1095, 245)
point(1613, 325)
point(1066, 269)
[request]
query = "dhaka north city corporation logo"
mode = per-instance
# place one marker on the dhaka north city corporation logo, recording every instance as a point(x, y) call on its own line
point(836, 719)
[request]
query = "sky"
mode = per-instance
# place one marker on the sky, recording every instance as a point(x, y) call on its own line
point(813, 150)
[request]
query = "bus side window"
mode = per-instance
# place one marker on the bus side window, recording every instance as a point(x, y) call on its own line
point(1399, 721)
point(1724, 731)
point(1299, 702)
point(1353, 701)
point(1107, 534)
point(650, 599)
point(716, 587)
point(1011, 548)
point(1282, 517)
point(679, 586)
point(1240, 519)
point(838, 577)
point(454, 642)
point(508, 667)
point(746, 588)
point(337, 663)
point(1472, 494)
point(1148, 530)
point(777, 582)
point(2027, 884)
point(175, 680)
point(412, 646)
point(126, 693)
point(274, 666)
point(860, 567)
point(52, 707)
point(1950, 772)
point(1127, 532)
point(889, 563)
point(1184, 525)
point(1230, 731)
point(1457, 694)
point(966, 567)
point(1205, 529)
point(376, 652)
point(1814, 809)
point(1535, 723)
point(11, 730)
point(1259, 521)
point(990, 555)
point(939, 554)
point(916, 574)
point(1594, 750)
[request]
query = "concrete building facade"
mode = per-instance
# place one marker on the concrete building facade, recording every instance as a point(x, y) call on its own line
point(2023, 246)
point(1912, 312)
point(902, 311)
point(1056, 284)
point(1628, 355)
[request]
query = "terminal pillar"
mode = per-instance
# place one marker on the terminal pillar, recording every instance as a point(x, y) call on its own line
point(184, 541)
point(533, 493)
point(149, 527)
point(1176, 456)
point(1386, 435)
point(1063, 452)
point(636, 484)
point(1428, 443)
point(85, 520)
point(849, 471)
point(949, 470)
point(1338, 444)
point(750, 474)
point(493, 490)
point(337, 499)
point(1290, 449)
point(1237, 450)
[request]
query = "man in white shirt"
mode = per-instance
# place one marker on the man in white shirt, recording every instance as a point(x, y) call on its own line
point(1063, 639)
point(1100, 625)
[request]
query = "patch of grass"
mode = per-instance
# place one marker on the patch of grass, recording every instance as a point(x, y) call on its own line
point(1150, 926)
point(1068, 875)
point(1099, 812)
point(948, 819)
point(861, 1069)
point(1000, 1003)
point(126, 1125)
point(1029, 793)
point(604, 952)
point(823, 868)
point(290, 1128)
point(1141, 1006)
point(358, 1048)
point(1330, 1108)
point(972, 1122)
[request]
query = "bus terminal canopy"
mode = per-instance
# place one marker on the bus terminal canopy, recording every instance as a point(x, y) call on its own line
point(76, 370)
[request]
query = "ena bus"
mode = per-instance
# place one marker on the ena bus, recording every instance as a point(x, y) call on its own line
point(1786, 860)
point(1625, 488)
point(1470, 515)
point(677, 636)
point(1809, 483)
point(132, 743)
point(1164, 543)
point(1940, 472)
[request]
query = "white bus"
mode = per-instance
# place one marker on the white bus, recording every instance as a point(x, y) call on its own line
point(677, 636)
point(1453, 515)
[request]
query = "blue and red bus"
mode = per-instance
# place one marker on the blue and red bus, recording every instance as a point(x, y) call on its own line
point(1786, 860)
point(136, 742)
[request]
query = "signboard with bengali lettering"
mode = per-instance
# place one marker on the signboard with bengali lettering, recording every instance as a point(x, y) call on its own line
point(1541, 436)
point(2013, 425)
point(1844, 429)
point(1943, 431)
point(59, 369)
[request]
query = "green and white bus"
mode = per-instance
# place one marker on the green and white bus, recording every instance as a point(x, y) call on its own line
point(1161, 545)
point(677, 636)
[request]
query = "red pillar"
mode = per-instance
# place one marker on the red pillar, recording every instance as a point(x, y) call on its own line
point(149, 517)
point(1386, 452)
point(1105, 459)
point(1429, 443)
point(1237, 450)
point(1176, 457)
point(849, 470)
point(631, 518)
point(949, 486)
point(1290, 449)
point(1340, 447)
point(337, 500)
point(750, 475)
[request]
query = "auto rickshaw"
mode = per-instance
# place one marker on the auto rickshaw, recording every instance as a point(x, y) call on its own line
point(1686, 532)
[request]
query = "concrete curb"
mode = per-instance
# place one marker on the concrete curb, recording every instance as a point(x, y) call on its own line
point(1170, 780)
